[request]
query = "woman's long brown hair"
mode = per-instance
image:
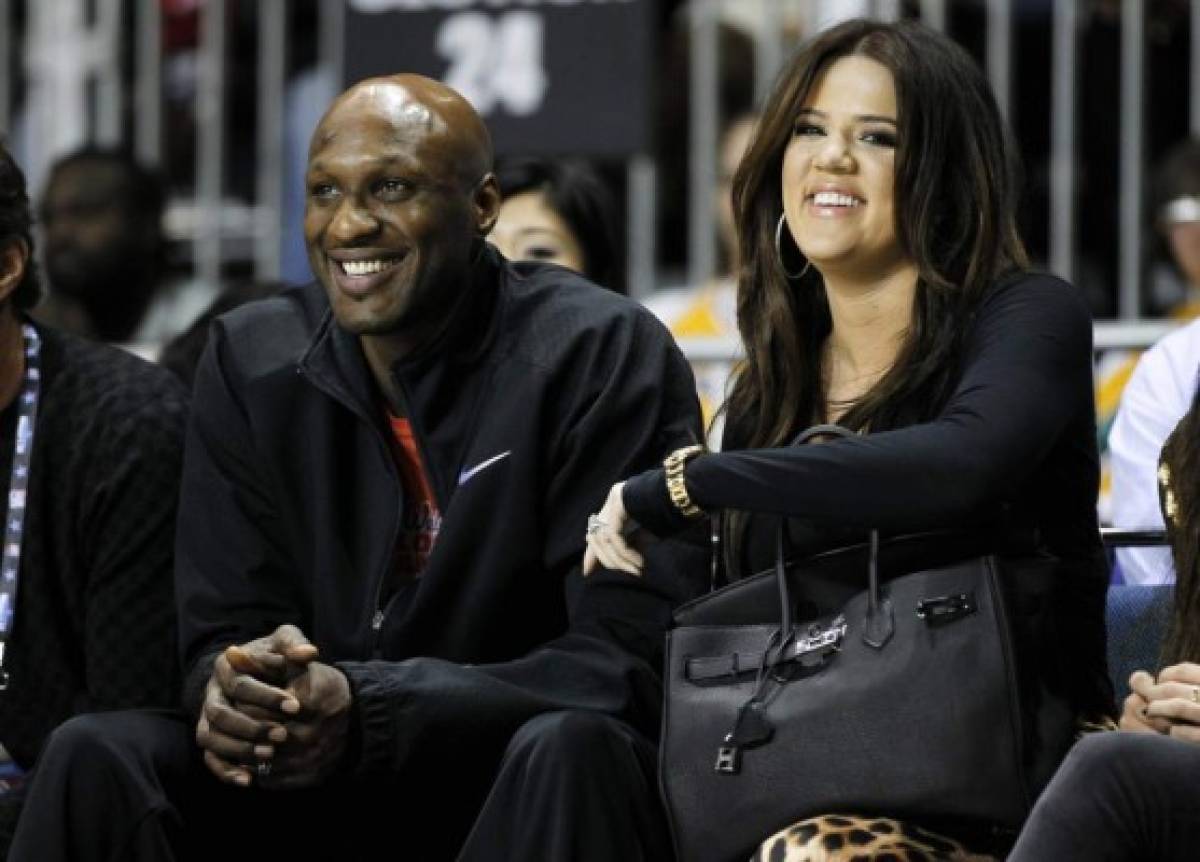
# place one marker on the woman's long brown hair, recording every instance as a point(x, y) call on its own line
point(1181, 456)
point(955, 192)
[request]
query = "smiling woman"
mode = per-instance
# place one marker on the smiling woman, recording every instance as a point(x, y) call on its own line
point(883, 287)
point(839, 170)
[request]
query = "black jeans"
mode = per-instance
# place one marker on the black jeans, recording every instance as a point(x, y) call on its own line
point(131, 786)
point(1118, 797)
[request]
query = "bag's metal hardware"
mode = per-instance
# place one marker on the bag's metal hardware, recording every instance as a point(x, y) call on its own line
point(819, 642)
point(729, 758)
point(945, 609)
point(751, 729)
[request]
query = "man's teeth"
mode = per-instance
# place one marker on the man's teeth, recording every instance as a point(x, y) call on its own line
point(834, 199)
point(364, 267)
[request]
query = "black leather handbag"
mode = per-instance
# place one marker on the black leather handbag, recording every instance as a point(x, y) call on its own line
point(906, 702)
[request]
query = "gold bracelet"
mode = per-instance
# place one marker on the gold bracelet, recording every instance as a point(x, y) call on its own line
point(674, 464)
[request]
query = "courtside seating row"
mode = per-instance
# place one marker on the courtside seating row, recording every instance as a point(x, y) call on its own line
point(1137, 614)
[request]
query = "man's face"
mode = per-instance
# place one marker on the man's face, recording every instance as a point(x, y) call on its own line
point(93, 240)
point(388, 221)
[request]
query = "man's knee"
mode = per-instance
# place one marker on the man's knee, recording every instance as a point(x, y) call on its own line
point(107, 741)
point(85, 737)
point(572, 739)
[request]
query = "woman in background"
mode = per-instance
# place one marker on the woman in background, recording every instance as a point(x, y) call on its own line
point(1136, 794)
point(559, 212)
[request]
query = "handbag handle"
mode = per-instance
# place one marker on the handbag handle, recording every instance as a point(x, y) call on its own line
point(880, 623)
point(751, 726)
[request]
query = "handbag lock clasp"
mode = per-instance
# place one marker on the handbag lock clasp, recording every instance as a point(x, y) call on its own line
point(945, 609)
point(817, 644)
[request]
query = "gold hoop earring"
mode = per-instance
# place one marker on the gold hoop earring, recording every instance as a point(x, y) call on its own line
point(779, 254)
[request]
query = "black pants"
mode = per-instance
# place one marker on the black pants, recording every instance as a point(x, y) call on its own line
point(130, 786)
point(1118, 797)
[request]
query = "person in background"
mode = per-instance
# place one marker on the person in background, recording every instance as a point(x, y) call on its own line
point(559, 211)
point(883, 286)
point(107, 255)
point(1158, 385)
point(387, 643)
point(710, 310)
point(1175, 208)
point(91, 448)
point(105, 250)
point(1156, 397)
point(1135, 794)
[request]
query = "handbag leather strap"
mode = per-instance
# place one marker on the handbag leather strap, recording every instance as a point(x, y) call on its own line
point(811, 651)
point(751, 727)
point(880, 623)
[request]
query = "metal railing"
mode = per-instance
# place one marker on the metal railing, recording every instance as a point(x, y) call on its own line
point(1115, 335)
point(1124, 537)
point(1067, 17)
point(88, 67)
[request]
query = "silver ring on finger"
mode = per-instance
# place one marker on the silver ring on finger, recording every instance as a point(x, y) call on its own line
point(1196, 694)
point(595, 524)
point(263, 769)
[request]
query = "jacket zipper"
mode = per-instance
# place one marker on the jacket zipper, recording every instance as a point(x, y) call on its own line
point(380, 610)
point(389, 559)
point(379, 614)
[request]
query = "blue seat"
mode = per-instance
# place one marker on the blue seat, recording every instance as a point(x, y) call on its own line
point(1137, 618)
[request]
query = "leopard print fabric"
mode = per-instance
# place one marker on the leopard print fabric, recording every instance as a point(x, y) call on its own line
point(1098, 724)
point(850, 838)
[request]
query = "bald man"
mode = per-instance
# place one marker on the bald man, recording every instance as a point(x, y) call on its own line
point(390, 651)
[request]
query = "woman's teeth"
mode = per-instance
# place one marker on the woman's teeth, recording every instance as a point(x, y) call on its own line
point(834, 199)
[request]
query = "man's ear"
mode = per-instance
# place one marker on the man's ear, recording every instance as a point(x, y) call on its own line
point(486, 203)
point(14, 259)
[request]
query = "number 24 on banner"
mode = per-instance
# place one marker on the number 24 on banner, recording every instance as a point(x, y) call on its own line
point(495, 62)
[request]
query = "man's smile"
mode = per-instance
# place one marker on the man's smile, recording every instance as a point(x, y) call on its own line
point(359, 271)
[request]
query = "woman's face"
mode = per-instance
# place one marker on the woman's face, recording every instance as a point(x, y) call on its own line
point(839, 171)
point(528, 229)
point(1184, 239)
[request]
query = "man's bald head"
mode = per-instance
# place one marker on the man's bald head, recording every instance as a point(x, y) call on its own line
point(415, 104)
point(400, 196)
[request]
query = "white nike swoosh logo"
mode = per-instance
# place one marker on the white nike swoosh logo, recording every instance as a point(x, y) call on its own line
point(466, 475)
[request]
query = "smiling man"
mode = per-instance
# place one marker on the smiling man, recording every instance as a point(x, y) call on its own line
point(384, 502)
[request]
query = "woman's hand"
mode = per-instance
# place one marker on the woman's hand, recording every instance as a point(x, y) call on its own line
point(608, 535)
point(1133, 716)
point(1176, 700)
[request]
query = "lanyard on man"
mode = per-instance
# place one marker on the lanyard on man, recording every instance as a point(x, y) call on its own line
point(18, 486)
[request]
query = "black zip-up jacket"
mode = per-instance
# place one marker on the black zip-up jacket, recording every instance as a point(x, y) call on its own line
point(543, 391)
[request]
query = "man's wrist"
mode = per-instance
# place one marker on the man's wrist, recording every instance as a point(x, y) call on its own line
point(195, 684)
point(352, 748)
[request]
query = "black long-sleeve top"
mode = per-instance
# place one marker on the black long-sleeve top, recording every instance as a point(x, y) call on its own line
point(1019, 429)
point(1015, 439)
